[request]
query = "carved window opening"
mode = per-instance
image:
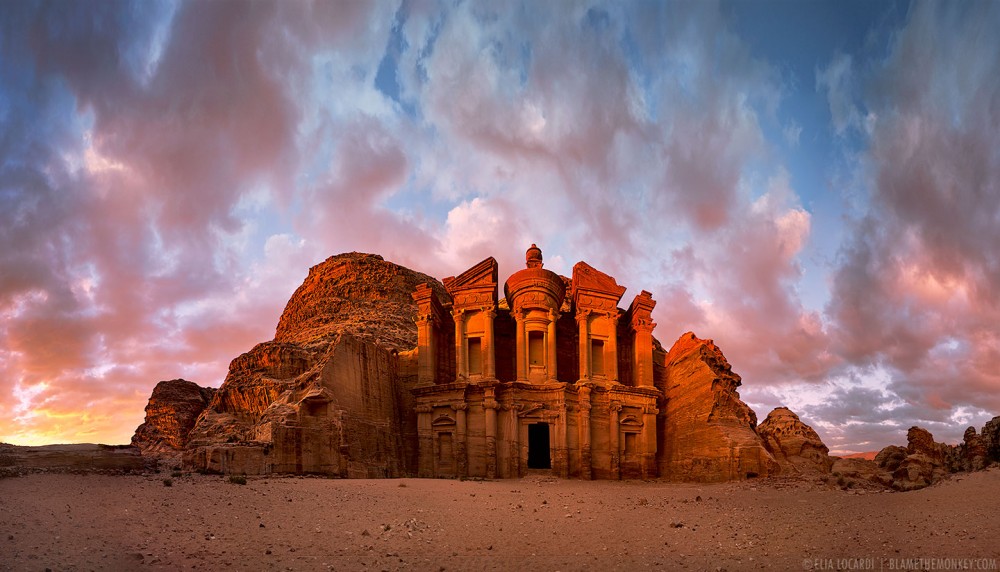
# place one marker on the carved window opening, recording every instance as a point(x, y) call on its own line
point(597, 357)
point(475, 356)
point(631, 440)
point(536, 349)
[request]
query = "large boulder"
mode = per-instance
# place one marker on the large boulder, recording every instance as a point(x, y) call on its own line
point(793, 444)
point(923, 462)
point(171, 413)
point(707, 433)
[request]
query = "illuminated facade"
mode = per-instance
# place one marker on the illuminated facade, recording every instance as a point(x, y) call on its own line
point(552, 377)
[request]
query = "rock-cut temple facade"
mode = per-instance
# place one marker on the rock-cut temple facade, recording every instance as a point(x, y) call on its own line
point(554, 376)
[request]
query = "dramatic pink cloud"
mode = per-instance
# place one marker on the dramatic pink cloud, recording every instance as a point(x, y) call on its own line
point(169, 173)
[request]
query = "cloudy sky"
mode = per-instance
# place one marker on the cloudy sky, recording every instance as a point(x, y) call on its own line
point(816, 186)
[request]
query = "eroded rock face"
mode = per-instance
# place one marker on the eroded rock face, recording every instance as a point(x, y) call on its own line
point(331, 393)
point(793, 444)
point(357, 293)
point(172, 410)
point(991, 440)
point(922, 463)
point(707, 434)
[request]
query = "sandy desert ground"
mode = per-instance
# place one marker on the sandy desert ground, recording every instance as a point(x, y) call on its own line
point(91, 522)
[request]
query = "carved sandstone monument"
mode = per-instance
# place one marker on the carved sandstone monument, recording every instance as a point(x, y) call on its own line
point(379, 371)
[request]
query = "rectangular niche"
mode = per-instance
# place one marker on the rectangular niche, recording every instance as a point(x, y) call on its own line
point(475, 356)
point(536, 349)
point(597, 357)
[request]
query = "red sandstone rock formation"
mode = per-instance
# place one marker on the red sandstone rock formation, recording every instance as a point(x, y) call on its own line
point(331, 393)
point(707, 433)
point(924, 462)
point(357, 293)
point(172, 410)
point(794, 445)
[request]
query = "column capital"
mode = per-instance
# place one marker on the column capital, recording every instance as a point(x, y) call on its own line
point(460, 406)
point(428, 318)
point(642, 324)
point(424, 408)
point(615, 406)
point(491, 404)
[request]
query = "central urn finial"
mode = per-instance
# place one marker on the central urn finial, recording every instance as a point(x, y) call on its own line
point(533, 257)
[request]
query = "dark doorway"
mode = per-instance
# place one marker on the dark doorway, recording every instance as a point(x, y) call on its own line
point(538, 446)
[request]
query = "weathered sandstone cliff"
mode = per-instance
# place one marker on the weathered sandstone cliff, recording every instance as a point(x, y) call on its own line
point(173, 408)
point(707, 433)
point(795, 446)
point(330, 394)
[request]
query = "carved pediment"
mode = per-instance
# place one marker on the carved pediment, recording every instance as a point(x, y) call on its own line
point(589, 280)
point(529, 408)
point(482, 277)
point(630, 421)
point(443, 420)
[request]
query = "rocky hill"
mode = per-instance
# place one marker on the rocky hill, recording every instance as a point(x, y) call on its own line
point(329, 394)
point(794, 445)
point(355, 293)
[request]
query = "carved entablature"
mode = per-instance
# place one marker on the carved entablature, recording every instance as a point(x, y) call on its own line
point(476, 287)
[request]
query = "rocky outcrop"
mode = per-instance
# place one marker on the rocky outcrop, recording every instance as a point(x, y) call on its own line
point(924, 462)
point(793, 444)
point(708, 433)
point(331, 393)
point(173, 408)
point(357, 293)
point(75, 458)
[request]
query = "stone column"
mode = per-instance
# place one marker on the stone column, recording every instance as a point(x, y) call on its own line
point(581, 322)
point(461, 449)
point(426, 350)
point(643, 353)
point(522, 350)
point(511, 428)
point(559, 450)
point(649, 442)
point(490, 407)
point(611, 352)
point(462, 369)
point(425, 436)
point(583, 424)
point(550, 361)
point(489, 347)
point(616, 454)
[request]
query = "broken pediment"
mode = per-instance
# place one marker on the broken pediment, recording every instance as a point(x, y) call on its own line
point(589, 282)
point(481, 279)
